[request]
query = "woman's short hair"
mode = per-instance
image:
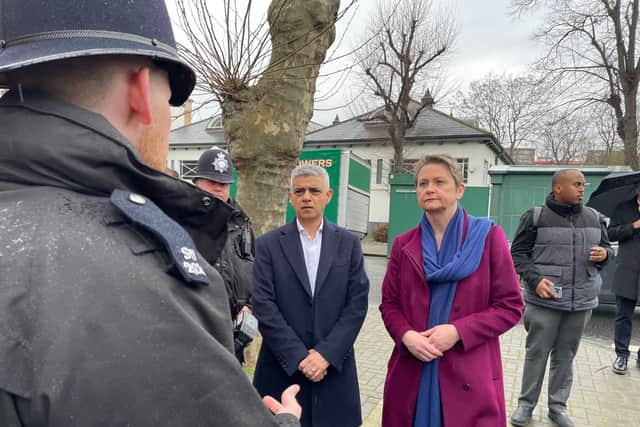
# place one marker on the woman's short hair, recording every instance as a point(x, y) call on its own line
point(443, 159)
point(310, 170)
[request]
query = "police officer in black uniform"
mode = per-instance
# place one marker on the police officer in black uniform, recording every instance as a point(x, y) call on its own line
point(215, 175)
point(109, 316)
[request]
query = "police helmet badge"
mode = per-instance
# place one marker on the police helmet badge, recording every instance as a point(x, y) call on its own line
point(221, 164)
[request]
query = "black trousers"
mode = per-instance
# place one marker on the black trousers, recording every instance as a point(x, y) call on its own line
point(624, 318)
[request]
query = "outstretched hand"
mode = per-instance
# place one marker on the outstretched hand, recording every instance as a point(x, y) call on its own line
point(288, 404)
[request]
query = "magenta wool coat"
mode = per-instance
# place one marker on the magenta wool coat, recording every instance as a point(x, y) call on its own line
point(486, 304)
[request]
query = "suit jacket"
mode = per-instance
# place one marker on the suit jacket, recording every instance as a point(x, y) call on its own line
point(627, 279)
point(293, 321)
point(485, 305)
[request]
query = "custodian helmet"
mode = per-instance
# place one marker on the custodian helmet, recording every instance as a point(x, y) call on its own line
point(215, 165)
point(38, 31)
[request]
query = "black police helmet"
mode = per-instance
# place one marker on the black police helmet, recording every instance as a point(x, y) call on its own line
point(39, 31)
point(215, 165)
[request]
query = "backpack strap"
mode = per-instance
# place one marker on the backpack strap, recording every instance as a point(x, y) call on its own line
point(537, 210)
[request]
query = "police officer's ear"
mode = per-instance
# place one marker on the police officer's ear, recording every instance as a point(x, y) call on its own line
point(140, 107)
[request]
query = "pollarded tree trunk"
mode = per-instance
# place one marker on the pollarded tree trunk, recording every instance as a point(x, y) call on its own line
point(265, 124)
point(630, 137)
point(397, 133)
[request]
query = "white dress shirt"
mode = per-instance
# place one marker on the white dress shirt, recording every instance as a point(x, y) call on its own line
point(311, 248)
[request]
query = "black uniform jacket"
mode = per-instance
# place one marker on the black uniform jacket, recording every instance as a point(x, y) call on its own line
point(102, 323)
point(627, 278)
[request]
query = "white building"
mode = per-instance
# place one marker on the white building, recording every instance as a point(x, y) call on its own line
point(434, 133)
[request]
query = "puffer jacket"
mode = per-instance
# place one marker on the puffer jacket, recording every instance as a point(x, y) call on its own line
point(557, 248)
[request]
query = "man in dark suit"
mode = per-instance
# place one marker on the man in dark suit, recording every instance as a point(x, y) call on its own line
point(625, 228)
point(310, 297)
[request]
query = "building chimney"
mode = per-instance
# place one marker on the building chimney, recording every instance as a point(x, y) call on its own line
point(427, 99)
point(336, 120)
point(188, 110)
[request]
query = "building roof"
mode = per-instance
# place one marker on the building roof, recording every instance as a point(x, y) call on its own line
point(431, 126)
point(430, 123)
point(205, 132)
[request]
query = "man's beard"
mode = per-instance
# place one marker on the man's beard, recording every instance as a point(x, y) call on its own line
point(153, 148)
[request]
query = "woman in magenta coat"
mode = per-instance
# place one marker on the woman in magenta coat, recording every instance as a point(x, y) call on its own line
point(450, 290)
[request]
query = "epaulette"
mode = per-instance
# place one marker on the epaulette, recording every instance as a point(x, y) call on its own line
point(142, 211)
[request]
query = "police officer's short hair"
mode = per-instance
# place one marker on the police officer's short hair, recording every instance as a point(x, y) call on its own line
point(310, 170)
point(82, 81)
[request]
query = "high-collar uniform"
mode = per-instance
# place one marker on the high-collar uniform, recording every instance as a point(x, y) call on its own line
point(626, 283)
point(108, 315)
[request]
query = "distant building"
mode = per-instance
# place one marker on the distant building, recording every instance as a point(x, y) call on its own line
point(435, 132)
point(602, 157)
point(523, 156)
point(182, 116)
point(188, 142)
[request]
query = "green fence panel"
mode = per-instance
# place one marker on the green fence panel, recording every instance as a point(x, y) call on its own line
point(404, 212)
point(515, 190)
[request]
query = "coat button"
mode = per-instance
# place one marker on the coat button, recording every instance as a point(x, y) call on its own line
point(207, 201)
point(137, 199)
point(466, 387)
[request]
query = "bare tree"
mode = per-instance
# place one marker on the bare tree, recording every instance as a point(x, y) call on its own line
point(563, 137)
point(592, 53)
point(264, 77)
point(509, 106)
point(409, 41)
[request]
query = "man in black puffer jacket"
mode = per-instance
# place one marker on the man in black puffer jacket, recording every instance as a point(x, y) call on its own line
point(558, 251)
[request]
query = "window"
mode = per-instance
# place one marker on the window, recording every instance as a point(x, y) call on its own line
point(464, 165)
point(188, 169)
point(379, 166)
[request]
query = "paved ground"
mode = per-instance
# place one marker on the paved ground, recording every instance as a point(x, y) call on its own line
point(599, 398)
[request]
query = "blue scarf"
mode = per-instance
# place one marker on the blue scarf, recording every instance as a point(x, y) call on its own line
point(443, 269)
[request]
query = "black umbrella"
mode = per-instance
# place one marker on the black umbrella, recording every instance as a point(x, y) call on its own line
point(614, 189)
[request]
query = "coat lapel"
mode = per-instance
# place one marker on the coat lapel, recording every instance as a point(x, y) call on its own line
point(292, 249)
point(330, 242)
point(413, 248)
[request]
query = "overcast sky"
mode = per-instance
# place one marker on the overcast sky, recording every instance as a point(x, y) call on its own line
point(489, 40)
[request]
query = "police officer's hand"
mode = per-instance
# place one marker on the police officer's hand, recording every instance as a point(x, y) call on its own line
point(597, 254)
point(636, 224)
point(544, 289)
point(288, 403)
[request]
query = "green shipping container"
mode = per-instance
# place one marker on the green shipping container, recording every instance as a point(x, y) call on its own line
point(514, 189)
point(404, 212)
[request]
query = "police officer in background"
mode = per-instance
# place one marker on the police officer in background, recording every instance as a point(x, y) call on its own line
point(235, 264)
point(108, 314)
